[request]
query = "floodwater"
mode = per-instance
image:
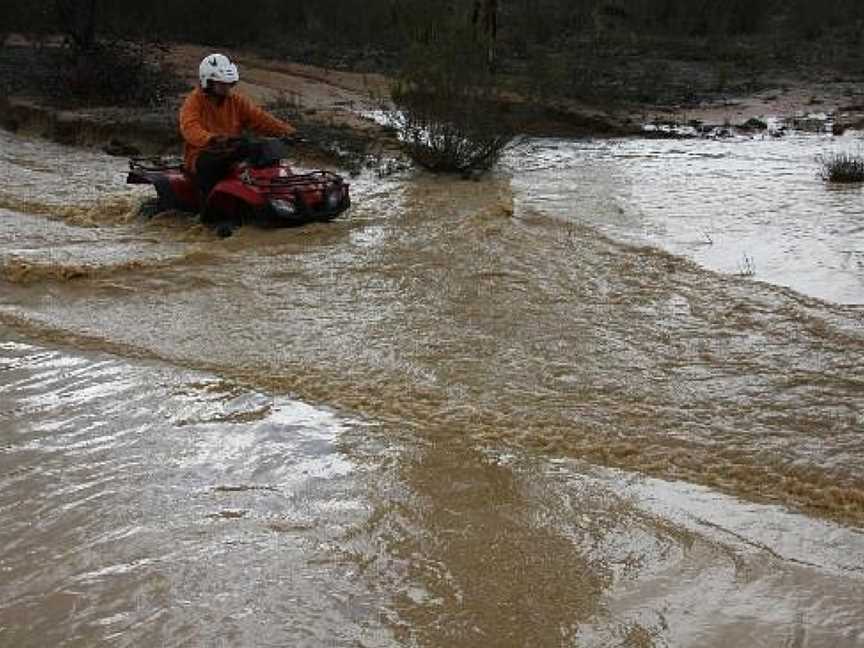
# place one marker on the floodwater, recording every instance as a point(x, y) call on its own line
point(543, 409)
point(753, 206)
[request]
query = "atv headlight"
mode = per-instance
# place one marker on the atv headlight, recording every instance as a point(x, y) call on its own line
point(333, 197)
point(283, 207)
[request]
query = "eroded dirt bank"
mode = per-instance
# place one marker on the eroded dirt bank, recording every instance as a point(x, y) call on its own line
point(332, 109)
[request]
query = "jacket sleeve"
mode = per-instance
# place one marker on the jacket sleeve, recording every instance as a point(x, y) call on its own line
point(190, 124)
point(263, 122)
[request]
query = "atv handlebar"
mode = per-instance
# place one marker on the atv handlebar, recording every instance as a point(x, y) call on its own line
point(223, 143)
point(257, 151)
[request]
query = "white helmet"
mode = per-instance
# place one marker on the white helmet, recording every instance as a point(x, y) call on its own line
point(217, 67)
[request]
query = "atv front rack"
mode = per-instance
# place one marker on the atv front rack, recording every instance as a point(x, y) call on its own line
point(156, 163)
point(294, 180)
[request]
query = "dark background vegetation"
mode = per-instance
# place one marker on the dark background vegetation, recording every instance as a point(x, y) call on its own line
point(633, 49)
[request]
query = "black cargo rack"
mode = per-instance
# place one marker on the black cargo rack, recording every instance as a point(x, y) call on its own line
point(156, 163)
point(296, 180)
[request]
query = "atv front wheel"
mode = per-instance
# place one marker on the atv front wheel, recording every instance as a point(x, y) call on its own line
point(148, 209)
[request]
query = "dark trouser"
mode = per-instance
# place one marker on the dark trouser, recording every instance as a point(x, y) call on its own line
point(210, 168)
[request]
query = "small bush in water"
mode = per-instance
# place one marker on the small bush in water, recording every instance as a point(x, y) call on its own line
point(843, 167)
point(448, 109)
point(444, 139)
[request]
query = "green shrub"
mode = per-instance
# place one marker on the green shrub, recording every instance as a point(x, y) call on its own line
point(114, 73)
point(454, 143)
point(448, 109)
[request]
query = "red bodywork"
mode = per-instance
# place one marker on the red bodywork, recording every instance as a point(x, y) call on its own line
point(271, 195)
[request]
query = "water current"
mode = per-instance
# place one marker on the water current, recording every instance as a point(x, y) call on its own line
point(611, 395)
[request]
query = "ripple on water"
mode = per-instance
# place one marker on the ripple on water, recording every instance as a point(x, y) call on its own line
point(711, 200)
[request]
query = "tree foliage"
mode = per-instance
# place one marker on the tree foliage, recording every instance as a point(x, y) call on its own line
point(396, 24)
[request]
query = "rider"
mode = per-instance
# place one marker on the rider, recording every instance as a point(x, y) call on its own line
point(212, 115)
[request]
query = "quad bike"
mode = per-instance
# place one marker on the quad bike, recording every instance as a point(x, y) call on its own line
point(260, 188)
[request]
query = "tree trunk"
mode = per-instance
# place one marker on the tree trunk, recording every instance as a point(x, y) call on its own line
point(484, 19)
point(78, 20)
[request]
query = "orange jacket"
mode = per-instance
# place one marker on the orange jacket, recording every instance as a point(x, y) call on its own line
point(202, 119)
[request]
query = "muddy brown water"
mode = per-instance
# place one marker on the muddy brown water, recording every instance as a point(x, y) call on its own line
point(453, 418)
